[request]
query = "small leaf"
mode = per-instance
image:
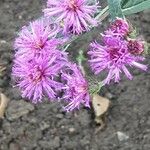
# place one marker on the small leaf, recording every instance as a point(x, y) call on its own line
point(134, 6)
point(133, 34)
point(130, 3)
point(146, 48)
point(115, 8)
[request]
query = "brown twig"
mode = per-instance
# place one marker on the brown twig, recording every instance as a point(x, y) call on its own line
point(2, 68)
point(3, 104)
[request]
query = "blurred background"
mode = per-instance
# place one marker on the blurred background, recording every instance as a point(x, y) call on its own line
point(46, 126)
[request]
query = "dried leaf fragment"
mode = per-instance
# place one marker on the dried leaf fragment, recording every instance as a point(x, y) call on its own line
point(2, 68)
point(100, 106)
point(3, 104)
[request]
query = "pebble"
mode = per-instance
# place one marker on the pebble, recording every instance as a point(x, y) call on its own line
point(44, 125)
point(3, 42)
point(20, 17)
point(16, 109)
point(122, 136)
point(59, 116)
point(109, 95)
point(62, 127)
point(72, 130)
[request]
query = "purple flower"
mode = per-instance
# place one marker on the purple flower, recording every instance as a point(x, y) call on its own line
point(75, 89)
point(111, 39)
point(120, 26)
point(36, 77)
point(114, 57)
point(75, 15)
point(135, 47)
point(37, 39)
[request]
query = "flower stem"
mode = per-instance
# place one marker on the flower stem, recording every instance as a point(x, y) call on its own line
point(103, 14)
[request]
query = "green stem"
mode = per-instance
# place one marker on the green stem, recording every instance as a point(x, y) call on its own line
point(103, 14)
point(80, 60)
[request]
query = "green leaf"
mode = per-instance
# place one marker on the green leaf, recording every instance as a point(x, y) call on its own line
point(146, 48)
point(133, 34)
point(130, 3)
point(134, 6)
point(115, 8)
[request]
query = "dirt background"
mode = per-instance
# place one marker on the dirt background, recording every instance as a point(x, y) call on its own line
point(46, 126)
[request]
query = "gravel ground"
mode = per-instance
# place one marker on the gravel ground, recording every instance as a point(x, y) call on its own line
point(46, 126)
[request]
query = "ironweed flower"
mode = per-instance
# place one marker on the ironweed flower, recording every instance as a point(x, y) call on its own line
point(111, 39)
point(75, 89)
point(135, 47)
point(36, 77)
point(120, 26)
point(37, 39)
point(114, 57)
point(76, 16)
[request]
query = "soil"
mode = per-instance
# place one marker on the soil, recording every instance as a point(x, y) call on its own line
point(46, 126)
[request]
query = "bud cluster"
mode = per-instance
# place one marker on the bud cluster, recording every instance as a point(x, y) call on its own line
point(117, 52)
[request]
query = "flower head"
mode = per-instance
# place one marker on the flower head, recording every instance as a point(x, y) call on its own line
point(75, 15)
point(37, 39)
point(36, 77)
point(75, 89)
point(114, 57)
point(135, 47)
point(120, 26)
point(111, 39)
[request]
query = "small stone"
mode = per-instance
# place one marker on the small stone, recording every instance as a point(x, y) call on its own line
point(32, 120)
point(59, 116)
point(20, 17)
point(3, 42)
point(44, 125)
point(62, 127)
point(72, 130)
point(16, 109)
point(109, 95)
point(122, 136)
